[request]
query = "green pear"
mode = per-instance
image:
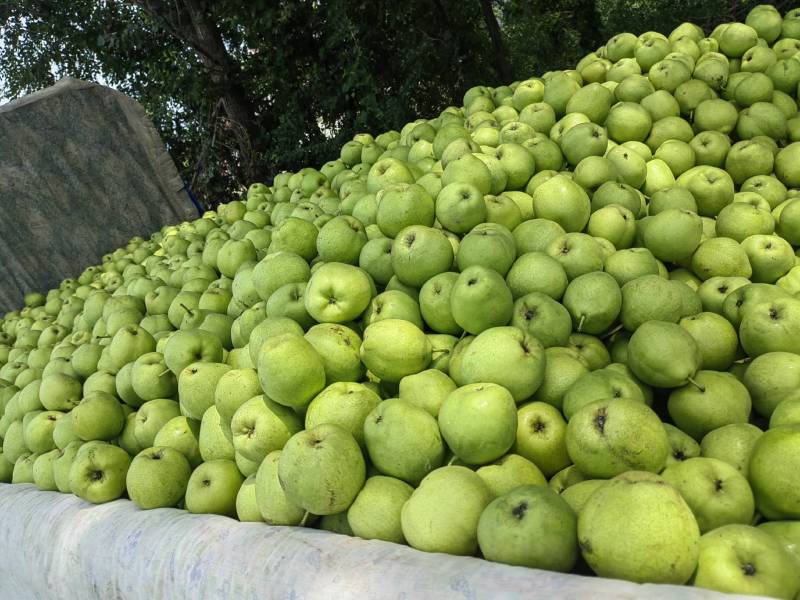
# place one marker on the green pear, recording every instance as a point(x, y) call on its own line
point(267, 328)
point(530, 526)
point(476, 288)
point(740, 559)
point(128, 344)
point(322, 470)
point(337, 293)
point(341, 239)
point(599, 384)
point(716, 492)
point(712, 400)
point(614, 223)
point(196, 385)
point(732, 444)
point(55, 392)
point(577, 494)
point(151, 379)
point(427, 525)
point(771, 327)
point(682, 446)
point(741, 300)
point(740, 220)
point(561, 200)
point(151, 417)
point(509, 472)
point(233, 389)
point(63, 433)
point(490, 245)
point(715, 337)
point(393, 304)
point(157, 478)
point(215, 439)
point(632, 498)
point(434, 303)
point(376, 259)
point(419, 252)
point(715, 290)
point(649, 298)
point(590, 349)
point(460, 207)
point(290, 370)
point(97, 473)
point(43, 473)
point(594, 301)
point(770, 257)
point(403, 440)
point(338, 348)
point(541, 437)
point(375, 513)
point(260, 426)
point(344, 404)
point(673, 235)
point(489, 356)
point(273, 505)
point(562, 368)
point(37, 432)
point(393, 348)
point(23, 468)
point(786, 413)
point(788, 532)
point(535, 235)
point(287, 301)
point(773, 463)
point(246, 503)
point(182, 434)
point(426, 389)
point(608, 437)
point(720, 257)
point(212, 488)
point(578, 253)
point(536, 272)
point(99, 416)
point(631, 263)
point(189, 346)
point(278, 269)
point(772, 378)
point(663, 354)
point(478, 422)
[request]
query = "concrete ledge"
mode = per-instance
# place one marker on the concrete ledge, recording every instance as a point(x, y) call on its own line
point(57, 546)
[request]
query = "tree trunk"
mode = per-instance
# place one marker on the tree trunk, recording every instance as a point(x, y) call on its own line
point(500, 59)
point(191, 22)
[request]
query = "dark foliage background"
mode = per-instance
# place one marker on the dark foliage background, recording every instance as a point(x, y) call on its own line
point(241, 89)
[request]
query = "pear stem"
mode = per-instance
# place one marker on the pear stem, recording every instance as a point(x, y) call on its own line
point(691, 380)
point(186, 308)
point(452, 460)
point(164, 372)
point(304, 519)
point(612, 332)
point(581, 322)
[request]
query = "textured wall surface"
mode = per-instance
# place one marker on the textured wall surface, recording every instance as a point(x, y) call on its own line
point(82, 170)
point(57, 546)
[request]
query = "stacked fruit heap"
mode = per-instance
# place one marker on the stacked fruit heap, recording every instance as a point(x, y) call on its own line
point(558, 326)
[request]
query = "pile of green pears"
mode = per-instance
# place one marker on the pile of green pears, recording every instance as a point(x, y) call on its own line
point(557, 326)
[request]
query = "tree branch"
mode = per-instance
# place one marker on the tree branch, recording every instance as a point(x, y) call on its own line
point(191, 22)
point(501, 59)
